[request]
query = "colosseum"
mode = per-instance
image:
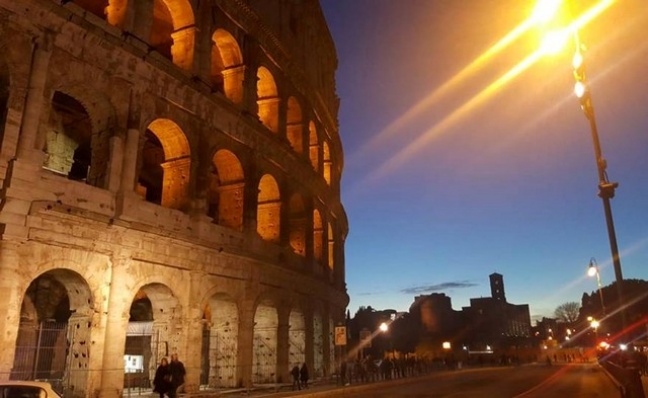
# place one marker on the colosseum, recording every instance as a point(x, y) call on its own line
point(170, 175)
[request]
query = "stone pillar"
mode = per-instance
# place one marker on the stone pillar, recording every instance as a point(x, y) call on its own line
point(183, 48)
point(34, 101)
point(10, 306)
point(245, 343)
point(250, 200)
point(117, 313)
point(327, 343)
point(129, 157)
point(176, 183)
point(282, 121)
point(193, 332)
point(283, 345)
point(284, 216)
point(309, 340)
point(142, 20)
point(250, 46)
point(115, 163)
point(234, 83)
point(309, 239)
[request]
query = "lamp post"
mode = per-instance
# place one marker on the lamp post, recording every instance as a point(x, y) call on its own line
point(606, 188)
point(593, 270)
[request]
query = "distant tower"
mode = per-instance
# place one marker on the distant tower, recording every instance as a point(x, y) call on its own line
point(497, 286)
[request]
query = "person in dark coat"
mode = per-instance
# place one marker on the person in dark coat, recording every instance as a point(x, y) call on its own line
point(303, 375)
point(178, 373)
point(162, 380)
point(295, 375)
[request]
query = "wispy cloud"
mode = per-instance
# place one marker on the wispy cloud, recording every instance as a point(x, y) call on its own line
point(439, 287)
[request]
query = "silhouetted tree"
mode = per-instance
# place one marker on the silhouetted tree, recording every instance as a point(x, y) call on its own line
point(567, 312)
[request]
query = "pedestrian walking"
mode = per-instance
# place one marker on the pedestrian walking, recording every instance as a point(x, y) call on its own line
point(303, 375)
point(295, 375)
point(162, 379)
point(178, 372)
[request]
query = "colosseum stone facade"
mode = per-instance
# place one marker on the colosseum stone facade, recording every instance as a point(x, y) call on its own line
point(170, 177)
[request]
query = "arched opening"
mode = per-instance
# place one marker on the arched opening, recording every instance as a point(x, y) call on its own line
point(220, 343)
point(116, 12)
point(227, 69)
point(318, 237)
point(269, 209)
point(53, 341)
point(327, 163)
point(173, 31)
point(331, 248)
point(294, 128)
point(155, 314)
point(226, 190)
point(69, 138)
point(318, 346)
point(267, 99)
point(264, 356)
point(166, 165)
point(313, 145)
point(297, 220)
point(297, 338)
point(96, 7)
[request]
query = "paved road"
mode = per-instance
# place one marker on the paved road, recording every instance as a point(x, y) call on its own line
point(573, 381)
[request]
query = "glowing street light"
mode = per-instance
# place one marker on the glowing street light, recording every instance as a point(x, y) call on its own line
point(383, 327)
point(593, 270)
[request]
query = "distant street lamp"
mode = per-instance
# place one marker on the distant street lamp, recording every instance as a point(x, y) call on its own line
point(593, 270)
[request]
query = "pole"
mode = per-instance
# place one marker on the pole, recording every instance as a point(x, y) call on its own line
point(606, 192)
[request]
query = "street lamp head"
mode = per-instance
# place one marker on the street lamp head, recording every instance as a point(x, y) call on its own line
point(580, 89)
point(383, 327)
point(591, 270)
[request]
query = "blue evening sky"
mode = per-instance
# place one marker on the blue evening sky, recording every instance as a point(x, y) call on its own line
point(506, 182)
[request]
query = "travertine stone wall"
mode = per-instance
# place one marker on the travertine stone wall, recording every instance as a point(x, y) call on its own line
point(142, 162)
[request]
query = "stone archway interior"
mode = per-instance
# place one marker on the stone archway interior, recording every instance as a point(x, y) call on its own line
point(54, 332)
point(220, 343)
point(226, 190)
point(267, 100)
point(227, 69)
point(154, 316)
point(294, 128)
point(264, 357)
point(297, 219)
point(269, 209)
point(313, 145)
point(68, 138)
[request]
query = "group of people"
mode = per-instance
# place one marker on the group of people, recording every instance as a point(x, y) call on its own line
point(169, 377)
point(300, 376)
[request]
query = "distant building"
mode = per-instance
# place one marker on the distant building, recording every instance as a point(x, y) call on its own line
point(489, 322)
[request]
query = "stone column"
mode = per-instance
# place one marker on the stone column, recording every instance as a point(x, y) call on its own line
point(34, 101)
point(115, 163)
point(118, 313)
point(193, 331)
point(129, 157)
point(10, 306)
point(283, 344)
point(309, 340)
point(327, 343)
point(250, 199)
point(309, 239)
point(245, 343)
point(250, 46)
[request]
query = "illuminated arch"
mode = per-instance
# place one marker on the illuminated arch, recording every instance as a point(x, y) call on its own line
point(227, 67)
point(77, 136)
point(166, 169)
point(294, 128)
point(173, 31)
point(226, 190)
point(297, 220)
point(318, 236)
point(269, 209)
point(327, 162)
point(267, 99)
point(313, 145)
